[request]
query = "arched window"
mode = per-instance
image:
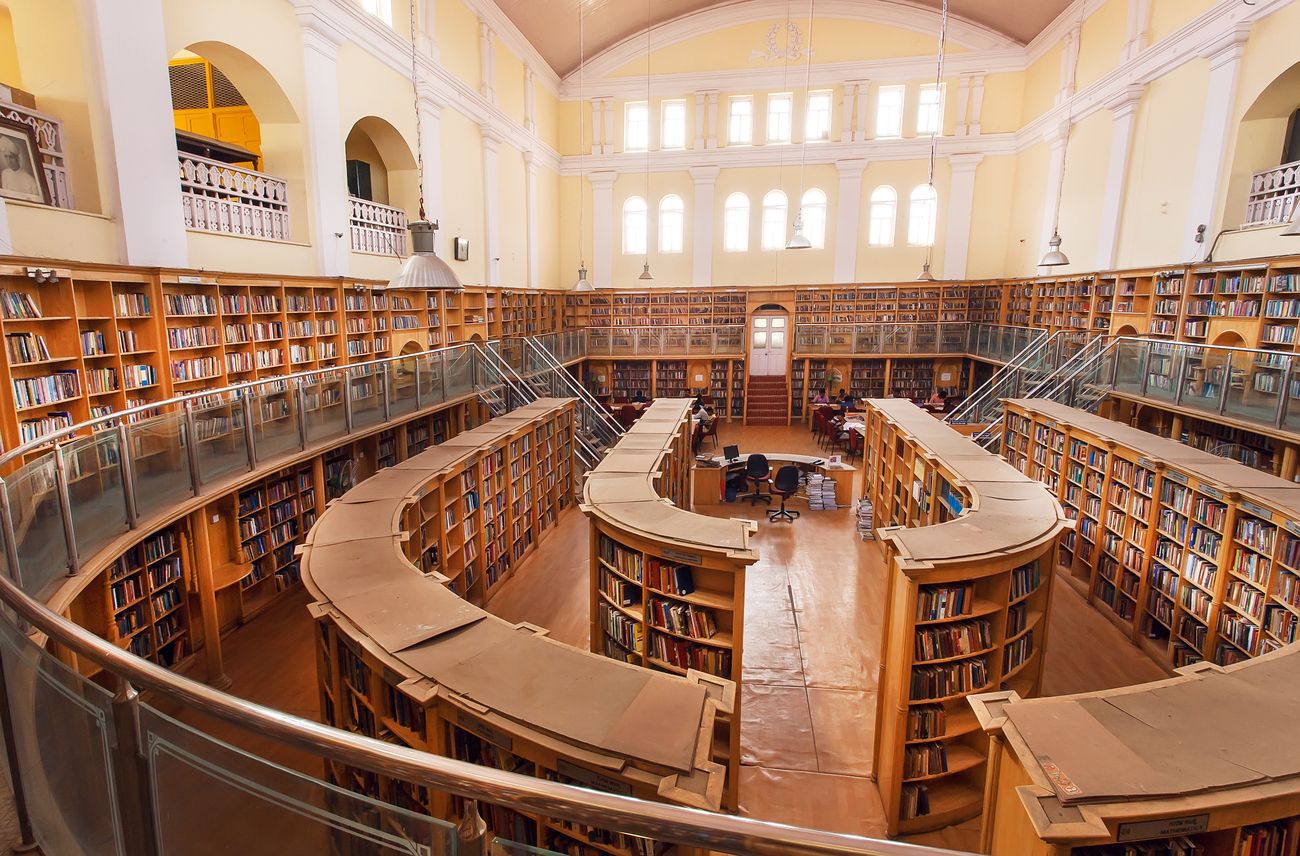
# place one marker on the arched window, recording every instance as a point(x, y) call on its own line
point(735, 224)
point(813, 207)
point(634, 226)
point(672, 223)
point(884, 211)
point(921, 216)
point(774, 209)
point(381, 9)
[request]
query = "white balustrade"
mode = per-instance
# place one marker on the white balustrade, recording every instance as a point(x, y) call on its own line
point(218, 197)
point(377, 228)
point(1272, 195)
point(49, 139)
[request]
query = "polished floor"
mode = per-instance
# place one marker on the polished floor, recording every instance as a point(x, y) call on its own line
point(811, 648)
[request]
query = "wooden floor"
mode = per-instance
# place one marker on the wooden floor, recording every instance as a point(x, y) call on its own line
point(813, 609)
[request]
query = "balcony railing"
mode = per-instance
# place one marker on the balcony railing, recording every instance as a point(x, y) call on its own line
point(994, 342)
point(110, 772)
point(726, 340)
point(377, 228)
point(231, 200)
point(49, 138)
point(1272, 195)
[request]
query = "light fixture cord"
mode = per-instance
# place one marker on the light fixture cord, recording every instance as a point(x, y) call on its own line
point(934, 131)
point(582, 129)
point(419, 127)
point(647, 133)
point(807, 88)
point(1069, 118)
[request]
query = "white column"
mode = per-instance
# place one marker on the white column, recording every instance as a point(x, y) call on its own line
point(427, 24)
point(607, 144)
point(530, 101)
point(866, 130)
point(597, 105)
point(846, 111)
point(701, 130)
point(711, 128)
point(326, 160)
point(1139, 21)
point(963, 96)
point(487, 61)
point(1068, 55)
point(961, 207)
point(848, 211)
point(602, 227)
point(430, 104)
point(1055, 167)
point(1225, 63)
point(531, 168)
point(132, 77)
point(976, 104)
point(491, 206)
point(1123, 111)
point(702, 219)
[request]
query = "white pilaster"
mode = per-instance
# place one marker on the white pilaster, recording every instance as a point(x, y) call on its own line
point(702, 217)
point(487, 61)
point(491, 206)
point(430, 104)
point(530, 101)
point(607, 144)
point(597, 123)
point(1068, 56)
point(976, 104)
point(961, 207)
point(846, 111)
point(963, 99)
point(1123, 110)
point(701, 132)
point(427, 25)
point(1139, 22)
point(602, 227)
point(531, 169)
point(865, 127)
point(326, 159)
point(132, 76)
point(1225, 63)
point(711, 128)
point(848, 211)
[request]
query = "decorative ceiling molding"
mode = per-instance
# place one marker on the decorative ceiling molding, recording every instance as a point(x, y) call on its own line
point(512, 38)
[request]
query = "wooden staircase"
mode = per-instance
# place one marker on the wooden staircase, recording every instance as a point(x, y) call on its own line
point(767, 400)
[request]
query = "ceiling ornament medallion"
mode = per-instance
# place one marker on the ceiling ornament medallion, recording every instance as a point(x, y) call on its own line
point(772, 52)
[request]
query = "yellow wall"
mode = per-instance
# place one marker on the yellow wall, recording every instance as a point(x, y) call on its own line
point(1042, 83)
point(10, 72)
point(512, 209)
point(1086, 166)
point(1000, 113)
point(901, 261)
point(1168, 15)
point(457, 34)
point(509, 82)
point(1024, 223)
point(462, 193)
point(1102, 42)
point(989, 233)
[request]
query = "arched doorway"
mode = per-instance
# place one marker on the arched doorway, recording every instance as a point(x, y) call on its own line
point(383, 187)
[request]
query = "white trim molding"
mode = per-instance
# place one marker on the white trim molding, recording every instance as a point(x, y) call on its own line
point(961, 211)
point(848, 213)
point(1123, 109)
point(702, 224)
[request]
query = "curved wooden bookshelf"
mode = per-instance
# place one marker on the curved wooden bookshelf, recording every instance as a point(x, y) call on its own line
point(397, 646)
point(968, 544)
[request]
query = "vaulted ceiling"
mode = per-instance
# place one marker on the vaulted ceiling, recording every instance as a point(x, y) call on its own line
point(552, 25)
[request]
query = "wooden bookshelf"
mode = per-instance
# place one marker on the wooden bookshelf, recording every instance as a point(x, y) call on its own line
point(520, 707)
point(146, 593)
point(668, 585)
point(1194, 557)
point(968, 544)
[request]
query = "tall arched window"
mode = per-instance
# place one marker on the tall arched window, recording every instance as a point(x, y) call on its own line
point(634, 226)
point(735, 224)
point(774, 211)
point(813, 207)
point(921, 212)
point(672, 223)
point(884, 211)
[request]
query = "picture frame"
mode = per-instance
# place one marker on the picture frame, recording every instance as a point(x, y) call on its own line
point(22, 172)
point(461, 249)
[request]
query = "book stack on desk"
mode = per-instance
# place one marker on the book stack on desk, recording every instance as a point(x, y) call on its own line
point(821, 493)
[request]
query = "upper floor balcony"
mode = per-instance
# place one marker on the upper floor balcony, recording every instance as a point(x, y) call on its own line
point(1272, 195)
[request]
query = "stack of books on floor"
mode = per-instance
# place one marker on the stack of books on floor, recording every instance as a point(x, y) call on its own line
point(821, 493)
point(866, 520)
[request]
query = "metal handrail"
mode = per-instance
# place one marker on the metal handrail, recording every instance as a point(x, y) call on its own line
point(975, 400)
point(580, 392)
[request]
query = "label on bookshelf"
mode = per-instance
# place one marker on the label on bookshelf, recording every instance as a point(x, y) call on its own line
point(487, 732)
point(592, 779)
point(680, 556)
point(1172, 475)
point(1252, 508)
point(1213, 492)
point(1164, 828)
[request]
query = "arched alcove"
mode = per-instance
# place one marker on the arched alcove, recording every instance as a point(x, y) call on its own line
point(387, 161)
point(1266, 128)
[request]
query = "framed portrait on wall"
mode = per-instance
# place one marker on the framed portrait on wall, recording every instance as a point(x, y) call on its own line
point(462, 249)
point(21, 174)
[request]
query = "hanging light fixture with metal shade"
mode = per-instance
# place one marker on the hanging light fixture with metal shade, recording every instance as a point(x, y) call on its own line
point(645, 270)
point(925, 275)
point(423, 270)
point(1054, 257)
point(799, 241)
point(583, 284)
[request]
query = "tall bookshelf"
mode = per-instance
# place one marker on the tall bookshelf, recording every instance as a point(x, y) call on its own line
point(969, 544)
point(146, 594)
point(272, 517)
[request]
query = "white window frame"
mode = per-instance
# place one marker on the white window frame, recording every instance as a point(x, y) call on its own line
point(882, 216)
point(630, 143)
point(740, 127)
point(929, 116)
point(776, 218)
point(672, 225)
point(735, 224)
point(813, 209)
point(820, 130)
point(381, 9)
point(779, 126)
point(636, 226)
point(889, 121)
point(672, 124)
point(922, 203)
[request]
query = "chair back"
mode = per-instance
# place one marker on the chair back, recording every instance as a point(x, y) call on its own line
point(712, 430)
point(787, 480)
point(756, 467)
point(627, 415)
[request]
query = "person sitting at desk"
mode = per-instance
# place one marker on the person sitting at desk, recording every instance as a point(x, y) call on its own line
point(639, 398)
point(709, 417)
point(697, 413)
point(936, 402)
point(820, 397)
point(846, 401)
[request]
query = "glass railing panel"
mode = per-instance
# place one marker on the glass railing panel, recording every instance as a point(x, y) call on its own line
point(598, 342)
point(429, 379)
point(809, 340)
point(1127, 372)
point(275, 419)
point(925, 338)
point(159, 462)
point(92, 468)
point(673, 341)
point(366, 388)
point(219, 444)
point(38, 524)
point(514, 848)
point(459, 373)
point(1160, 372)
point(1203, 375)
point(839, 339)
point(700, 340)
point(730, 340)
point(1254, 392)
point(952, 338)
point(1291, 419)
point(401, 387)
point(621, 343)
point(212, 797)
point(322, 405)
point(62, 727)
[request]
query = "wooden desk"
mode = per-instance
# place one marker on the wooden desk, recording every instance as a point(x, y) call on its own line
point(708, 484)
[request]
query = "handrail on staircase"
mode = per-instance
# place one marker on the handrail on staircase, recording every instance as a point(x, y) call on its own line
point(975, 400)
point(603, 416)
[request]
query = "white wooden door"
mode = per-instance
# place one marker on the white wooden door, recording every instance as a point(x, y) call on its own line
point(769, 343)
